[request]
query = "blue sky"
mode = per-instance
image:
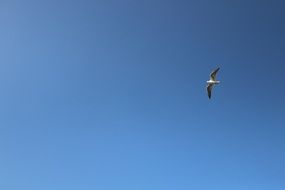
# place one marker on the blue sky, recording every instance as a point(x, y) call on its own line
point(110, 95)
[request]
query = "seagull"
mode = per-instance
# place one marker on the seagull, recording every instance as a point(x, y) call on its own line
point(212, 82)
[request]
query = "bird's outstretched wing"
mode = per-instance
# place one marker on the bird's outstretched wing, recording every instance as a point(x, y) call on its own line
point(209, 90)
point(213, 74)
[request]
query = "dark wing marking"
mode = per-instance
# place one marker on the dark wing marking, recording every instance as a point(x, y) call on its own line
point(209, 90)
point(213, 74)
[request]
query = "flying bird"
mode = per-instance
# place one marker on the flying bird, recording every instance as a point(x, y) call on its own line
point(212, 82)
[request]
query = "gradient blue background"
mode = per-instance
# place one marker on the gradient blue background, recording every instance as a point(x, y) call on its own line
point(110, 95)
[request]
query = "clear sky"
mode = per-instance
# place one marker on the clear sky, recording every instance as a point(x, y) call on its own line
point(110, 95)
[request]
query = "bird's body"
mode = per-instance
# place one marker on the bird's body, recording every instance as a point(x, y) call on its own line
point(212, 82)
